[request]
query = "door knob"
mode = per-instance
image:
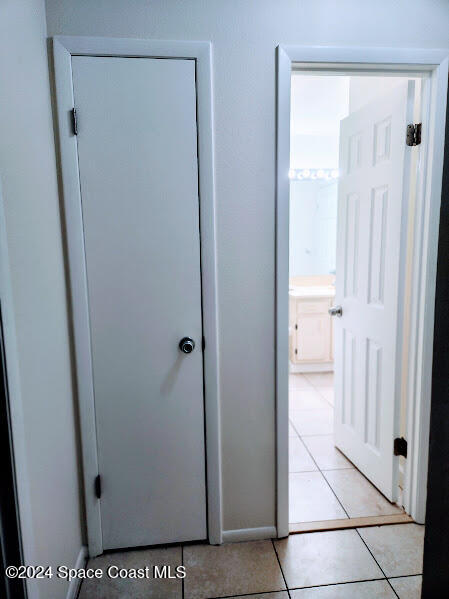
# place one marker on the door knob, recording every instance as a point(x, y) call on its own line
point(336, 311)
point(187, 345)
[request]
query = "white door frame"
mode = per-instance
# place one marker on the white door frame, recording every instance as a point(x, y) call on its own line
point(434, 63)
point(201, 52)
point(16, 408)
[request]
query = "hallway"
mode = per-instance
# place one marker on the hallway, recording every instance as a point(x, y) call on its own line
point(370, 563)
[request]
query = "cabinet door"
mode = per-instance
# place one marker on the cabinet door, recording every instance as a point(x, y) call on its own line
point(313, 337)
point(292, 329)
point(331, 334)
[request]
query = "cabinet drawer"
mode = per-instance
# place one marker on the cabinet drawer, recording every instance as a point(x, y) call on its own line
point(312, 307)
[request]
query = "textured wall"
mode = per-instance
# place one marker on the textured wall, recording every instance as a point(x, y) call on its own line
point(244, 34)
point(52, 529)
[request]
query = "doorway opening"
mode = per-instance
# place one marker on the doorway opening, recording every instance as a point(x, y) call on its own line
point(184, 363)
point(354, 180)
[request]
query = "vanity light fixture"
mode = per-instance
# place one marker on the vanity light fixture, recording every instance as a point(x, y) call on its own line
point(299, 174)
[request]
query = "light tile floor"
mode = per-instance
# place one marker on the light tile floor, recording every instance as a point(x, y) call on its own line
point(381, 562)
point(324, 485)
point(371, 563)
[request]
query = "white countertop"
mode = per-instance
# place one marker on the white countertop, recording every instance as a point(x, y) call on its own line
point(312, 291)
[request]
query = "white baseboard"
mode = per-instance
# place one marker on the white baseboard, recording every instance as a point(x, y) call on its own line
point(249, 534)
point(74, 586)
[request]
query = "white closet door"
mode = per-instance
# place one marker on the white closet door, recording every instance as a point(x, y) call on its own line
point(372, 197)
point(137, 149)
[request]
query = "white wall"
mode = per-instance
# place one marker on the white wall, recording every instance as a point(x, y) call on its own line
point(313, 227)
point(50, 496)
point(318, 104)
point(244, 35)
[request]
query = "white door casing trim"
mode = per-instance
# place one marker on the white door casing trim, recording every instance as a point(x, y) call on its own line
point(200, 51)
point(16, 408)
point(434, 63)
point(75, 583)
point(249, 534)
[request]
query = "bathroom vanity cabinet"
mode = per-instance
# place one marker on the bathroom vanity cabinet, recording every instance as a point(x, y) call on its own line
point(311, 329)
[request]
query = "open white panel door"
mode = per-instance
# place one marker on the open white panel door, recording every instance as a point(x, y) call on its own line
point(372, 209)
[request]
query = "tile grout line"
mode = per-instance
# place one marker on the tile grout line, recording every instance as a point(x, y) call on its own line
point(317, 586)
point(327, 470)
point(404, 576)
point(379, 566)
point(280, 567)
point(321, 472)
point(342, 506)
point(249, 595)
point(336, 584)
point(317, 389)
point(332, 489)
point(324, 470)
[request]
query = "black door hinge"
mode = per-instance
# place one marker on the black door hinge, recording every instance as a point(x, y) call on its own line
point(203, 343)
point(74, 122)
point(400, 446)
point(296, 327)
point(413, 134)
point(97, 486)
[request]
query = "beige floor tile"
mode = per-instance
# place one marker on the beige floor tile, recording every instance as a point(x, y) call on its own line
point(320, 379)
point(319, 558)
point(325, 454)
point(278, 595)
point(108, 588)
point(408, 587)
point(397, 547)
point(311, 499)
point(373, 589)
point(231, 569)
point(327, 393)
point(357, 495)
point(313, 422)
point(306, 399)
point(298, 381)
point(299, 459)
